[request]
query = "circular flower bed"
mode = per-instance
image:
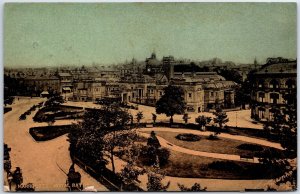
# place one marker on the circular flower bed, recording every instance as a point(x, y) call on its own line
point(188, 137)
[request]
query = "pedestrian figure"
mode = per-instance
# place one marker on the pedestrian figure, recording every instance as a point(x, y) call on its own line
point(9, 179)
point(17, 177)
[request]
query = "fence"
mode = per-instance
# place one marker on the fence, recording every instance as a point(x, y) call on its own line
point(106, 177)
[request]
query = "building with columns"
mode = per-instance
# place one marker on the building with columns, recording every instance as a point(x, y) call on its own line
point(274, 80)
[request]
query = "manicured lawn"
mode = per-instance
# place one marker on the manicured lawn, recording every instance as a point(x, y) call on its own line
point(189, 166)
point(222, 145)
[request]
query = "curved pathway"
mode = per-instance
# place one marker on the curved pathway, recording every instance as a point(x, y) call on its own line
point(232, 157)
point(38, 160)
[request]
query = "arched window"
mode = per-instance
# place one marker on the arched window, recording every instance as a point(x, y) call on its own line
point(261, 96)
point(261, 113)
point(274, 98)
point(290, 84)
point(260, 83)
point(274, 84)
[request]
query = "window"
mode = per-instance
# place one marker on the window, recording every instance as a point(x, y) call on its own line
point(271, 115)
point(160, 93)
point(260, 83)
point(274, 84)
point(261, 97)
point(190, 95)
point(274, 98)
point(211, 94)
point(261, 113)
point(290, 84)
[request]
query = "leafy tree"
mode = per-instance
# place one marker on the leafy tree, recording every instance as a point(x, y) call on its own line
point(130, 173)
point(114, 119)
point(172, 102)
point(185, 117)
point(284, 125)
point(139, 116)
point(202, 121)
point(54, 101)
point(155, 181)
point(220, 117)
point(243, 92)
point(153, 141)
point(97, 133)
point(86, 140)
point(154, 116)
point(195, 187)
point(231, 75)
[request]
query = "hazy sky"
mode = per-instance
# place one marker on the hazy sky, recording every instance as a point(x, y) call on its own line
point(52, 34)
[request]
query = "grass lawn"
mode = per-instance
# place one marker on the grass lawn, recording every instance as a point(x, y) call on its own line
point(222, 145)
point(189, 166)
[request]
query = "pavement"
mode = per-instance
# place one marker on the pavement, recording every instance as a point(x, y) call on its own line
point(38, 160)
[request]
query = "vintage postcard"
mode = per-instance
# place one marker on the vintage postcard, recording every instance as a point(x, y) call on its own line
point(150, 96)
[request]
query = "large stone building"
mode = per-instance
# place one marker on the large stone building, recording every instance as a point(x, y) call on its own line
point(274, 80)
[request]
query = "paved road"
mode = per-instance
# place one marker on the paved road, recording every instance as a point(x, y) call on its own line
point(38, 160)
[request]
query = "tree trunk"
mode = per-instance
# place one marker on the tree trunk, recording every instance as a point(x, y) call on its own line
point(112, 160)
point(171, 120)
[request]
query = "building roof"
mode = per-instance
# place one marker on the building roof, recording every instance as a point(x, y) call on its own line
point(64, 74)
point(287, 67)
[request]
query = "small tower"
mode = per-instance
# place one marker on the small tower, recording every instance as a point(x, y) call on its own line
point(255, 63)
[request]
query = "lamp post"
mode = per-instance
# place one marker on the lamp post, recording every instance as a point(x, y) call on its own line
point(236, 119)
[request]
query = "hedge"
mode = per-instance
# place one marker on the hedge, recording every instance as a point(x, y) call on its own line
point(7, 109)
point(48, 132)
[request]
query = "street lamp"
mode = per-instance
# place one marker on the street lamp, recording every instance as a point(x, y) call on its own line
point(236, 119)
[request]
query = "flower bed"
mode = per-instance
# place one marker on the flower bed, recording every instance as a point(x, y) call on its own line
point(48, 132)
point(188, 137)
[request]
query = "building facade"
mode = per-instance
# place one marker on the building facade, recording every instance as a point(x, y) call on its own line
point(272, 82)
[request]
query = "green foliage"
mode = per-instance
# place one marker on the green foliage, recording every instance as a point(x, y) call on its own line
point(284, 125)
point(155, 181)
point(55, 100)
point(130, 173)
point(139, 116)
point(195, 187)
point(153, 141)
point(172, 102)
point(220, 118)
point(185, 117)
point(96, 133)
point(202, 121)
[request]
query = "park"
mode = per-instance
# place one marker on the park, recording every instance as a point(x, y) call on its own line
point(110, 141)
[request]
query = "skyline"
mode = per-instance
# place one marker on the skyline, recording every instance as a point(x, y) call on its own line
point(46, 34)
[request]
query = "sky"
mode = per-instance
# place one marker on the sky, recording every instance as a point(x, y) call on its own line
point(50, 34)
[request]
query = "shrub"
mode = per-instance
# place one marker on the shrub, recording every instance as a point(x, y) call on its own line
point(213, 137)
point(251, 147)
point(22, 117)
point(148, 155)
point(163, 155)
point(225, 166)
point(48, 132)
point(188, 137)
point(7, 109)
